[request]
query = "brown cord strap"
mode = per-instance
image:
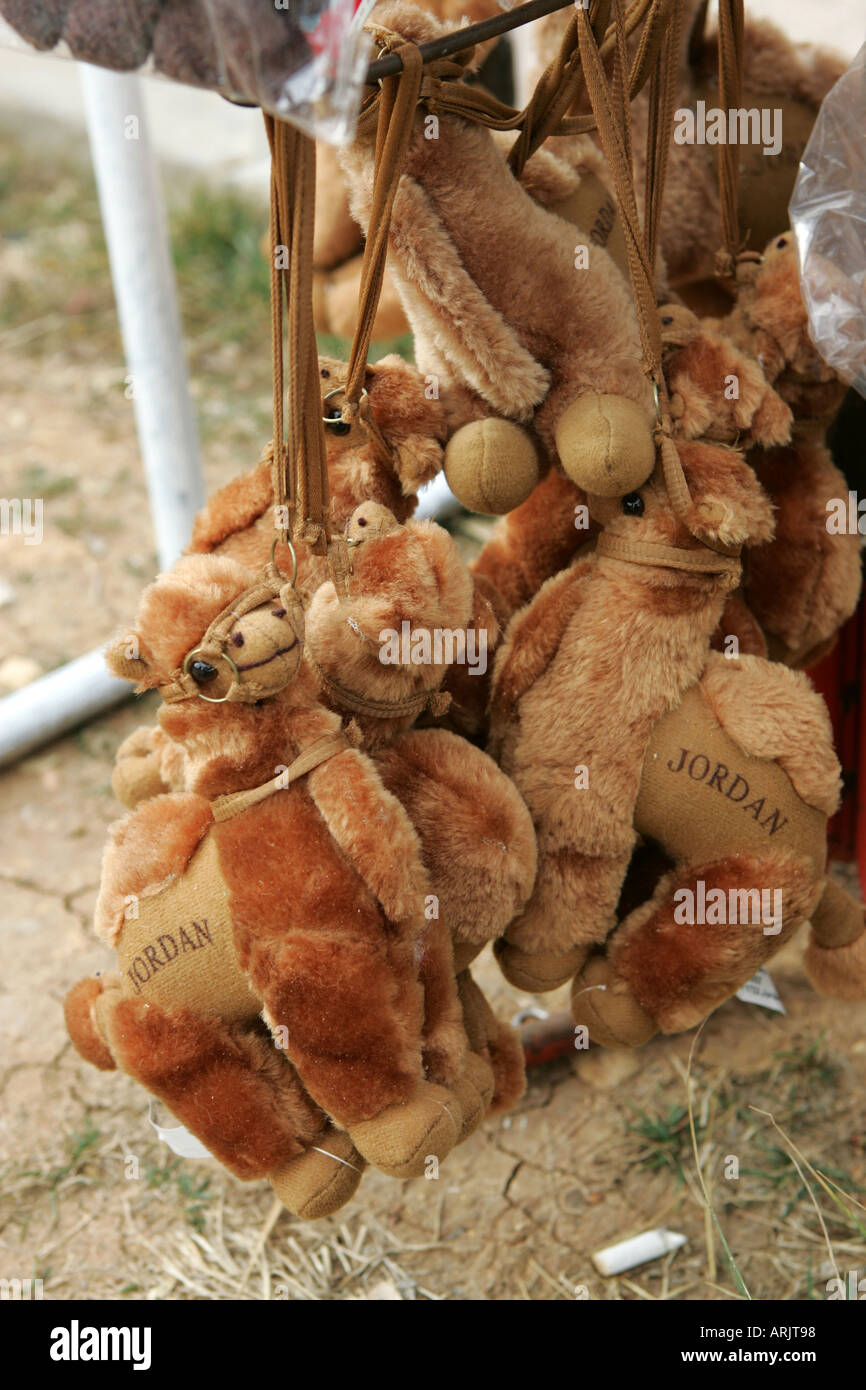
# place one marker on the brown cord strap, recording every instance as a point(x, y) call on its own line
point(662, 99)
point(299, 470)
point(613, 132)
point(443, 91)
point(232, 804)
point(613, 127)
point(701, 561)
point(731, 40)
point(397, 105)
point(437, 701)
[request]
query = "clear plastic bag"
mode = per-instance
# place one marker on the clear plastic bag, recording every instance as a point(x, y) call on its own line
point(303, 60)
point(828, 216)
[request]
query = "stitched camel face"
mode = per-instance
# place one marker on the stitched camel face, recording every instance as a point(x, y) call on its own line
point(211, 624)
point(264, 647)
point(727, 504)
point(407, 584)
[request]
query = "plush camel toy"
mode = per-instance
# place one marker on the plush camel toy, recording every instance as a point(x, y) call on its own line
point(295, 878)
point(718, 392)
point(477, 842)
point(806, 583)
point(754, 379)
point(380, 659)
point(616, 721)
point(478, 264)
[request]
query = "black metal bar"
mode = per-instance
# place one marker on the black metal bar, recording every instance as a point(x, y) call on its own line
point(471, 35)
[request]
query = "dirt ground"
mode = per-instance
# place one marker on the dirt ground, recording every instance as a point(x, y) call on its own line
point(91, 1201)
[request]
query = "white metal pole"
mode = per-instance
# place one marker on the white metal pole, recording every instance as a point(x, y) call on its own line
point(56, 703)
point(136, 234)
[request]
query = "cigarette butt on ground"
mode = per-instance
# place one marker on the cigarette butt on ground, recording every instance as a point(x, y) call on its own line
point(649, 1245)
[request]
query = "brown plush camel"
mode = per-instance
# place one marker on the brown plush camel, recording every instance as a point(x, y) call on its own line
point(476, 837)
point(517, 331)
point(616, 722)
point(806, 583)
point(380, 659)
point(284, 882)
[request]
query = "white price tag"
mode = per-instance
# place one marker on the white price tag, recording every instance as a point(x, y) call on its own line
point(761, 990)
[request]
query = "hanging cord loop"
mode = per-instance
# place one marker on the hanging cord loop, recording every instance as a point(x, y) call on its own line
point(299, 467)
point(613, 116)
point(397, 104)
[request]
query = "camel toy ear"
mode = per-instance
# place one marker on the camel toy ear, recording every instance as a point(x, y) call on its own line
point(124, 658)
point(728, 503)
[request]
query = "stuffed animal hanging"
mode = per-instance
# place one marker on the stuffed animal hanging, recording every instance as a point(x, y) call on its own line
point(382, 653)
point(536, 358)
point(784, 80)
point(371, 652)
point(385, 455)
point(752, 378)
point(805, 584)
point(616, 721)
point(284, 882)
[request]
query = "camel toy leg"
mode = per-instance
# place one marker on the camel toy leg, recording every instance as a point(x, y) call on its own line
point(497, 1043)
point(664, 972)
point(835, 957)
point(572, 908)
point(374, 1087)
point(228, 1084)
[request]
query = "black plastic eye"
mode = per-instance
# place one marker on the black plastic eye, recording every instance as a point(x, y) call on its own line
point(278, 612)
point(335, 424)
point(202, 672)
point(361, 521)
point(781, 243)
point(668, 318)
point(633, 504)
point(326, 374)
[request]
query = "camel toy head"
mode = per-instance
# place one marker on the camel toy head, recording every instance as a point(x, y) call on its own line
point(210, 628)
point(405, 618)
point(392, 447)
point(771, 322)
point(723, 507)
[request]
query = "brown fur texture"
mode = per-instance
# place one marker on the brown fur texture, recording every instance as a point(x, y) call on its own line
point(840, 972)
point(772, 713)
point(190, 1061)
point(145, 853)
point(82, 1027)
point(680, 972)
point(586, 672)
point(534, 542)
point(476, 837)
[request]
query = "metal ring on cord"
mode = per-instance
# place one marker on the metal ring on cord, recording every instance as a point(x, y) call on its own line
point(211, 699)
